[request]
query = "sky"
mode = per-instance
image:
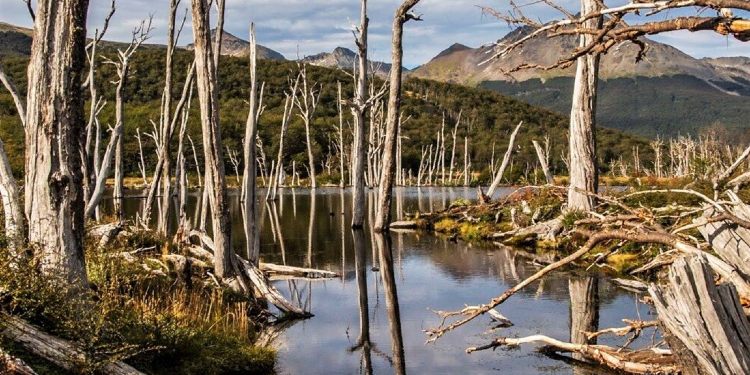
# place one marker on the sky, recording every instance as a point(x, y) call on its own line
point(308, 27)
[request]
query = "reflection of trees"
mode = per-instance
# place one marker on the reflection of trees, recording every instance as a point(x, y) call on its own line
point(363, 341)
point(391, 299)
point(584, 310)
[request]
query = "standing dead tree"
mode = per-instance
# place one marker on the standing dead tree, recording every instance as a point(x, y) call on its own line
point(250, 172)
point(9, 191)
point(54, 201)
point(139, 36)
point(208, 95)
point(543, 154)
point(403, 15)
point(307, 102)
point(288, 108)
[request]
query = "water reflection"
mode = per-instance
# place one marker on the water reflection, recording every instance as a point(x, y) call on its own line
point(384, 297)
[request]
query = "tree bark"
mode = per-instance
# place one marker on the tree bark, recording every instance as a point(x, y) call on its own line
point(207, 86)
point(584, 176)
point(249, 175)
point(706, 318)
point(359, 146)
point(54, 200)
point(383, 217)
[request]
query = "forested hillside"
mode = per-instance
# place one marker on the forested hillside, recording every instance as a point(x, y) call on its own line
point(487, 117)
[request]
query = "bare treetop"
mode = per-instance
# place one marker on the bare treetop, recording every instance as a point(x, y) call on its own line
point(616, 29)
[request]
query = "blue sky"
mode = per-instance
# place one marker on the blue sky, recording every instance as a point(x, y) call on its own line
point(313, 26)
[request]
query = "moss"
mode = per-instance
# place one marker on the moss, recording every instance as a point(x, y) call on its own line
point(445, 225)
point(475, 232)
point(622, 262)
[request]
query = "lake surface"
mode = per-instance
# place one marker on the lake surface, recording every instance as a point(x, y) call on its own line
point(392, 304)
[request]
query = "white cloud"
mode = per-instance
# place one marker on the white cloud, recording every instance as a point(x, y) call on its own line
point(321, 25)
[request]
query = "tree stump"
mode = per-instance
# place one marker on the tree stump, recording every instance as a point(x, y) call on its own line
point(706, 319)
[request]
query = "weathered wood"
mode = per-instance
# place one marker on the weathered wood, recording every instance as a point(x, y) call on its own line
point(208, 95)
point(506, 160)
point(582, 143)
point(632, 362)
point(55, 124)
point(275, 270)
point(706, 318)
point(406, 224)
point(61, 353)
point(730, 241)
point(359, 147)
point(250, 171)
point(541, 153)
point(388, 167)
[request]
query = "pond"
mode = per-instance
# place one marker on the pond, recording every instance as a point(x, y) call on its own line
point(371, 320)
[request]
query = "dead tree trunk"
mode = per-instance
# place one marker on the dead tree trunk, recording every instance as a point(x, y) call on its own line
point(543, 154)
point(9, 192)
point(383, 217)
point(307, 102)
point(584, 177)
point(506, 161)
point(55, 127)
point(358, 110)
point(707, 319)
point(288, 108)
point(249, 175)
point(208, 95)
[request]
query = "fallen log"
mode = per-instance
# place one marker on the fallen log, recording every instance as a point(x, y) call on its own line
point(705, 318)
point(268, 292)
point(13, 365)
point(405, 224)
point(645, 361)
point(60, 352)
point(730, 241)
point(547, 230)
point(106, 233)
point(296, 272)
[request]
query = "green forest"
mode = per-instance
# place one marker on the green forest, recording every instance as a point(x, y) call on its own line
point(487, 118)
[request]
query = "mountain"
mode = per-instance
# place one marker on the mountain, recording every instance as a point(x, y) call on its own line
point(238, 47)
point(344, 58)
point(668, 93)
point(14, 40)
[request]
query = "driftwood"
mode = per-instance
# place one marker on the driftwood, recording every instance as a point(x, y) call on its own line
point(646, 361)
point(547, 230)
point(61, 353)
point(707, 319)
point(730, 241)
point(407, 224)
point(277, 270)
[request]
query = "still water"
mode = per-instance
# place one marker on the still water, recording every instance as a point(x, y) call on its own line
point(371, 320)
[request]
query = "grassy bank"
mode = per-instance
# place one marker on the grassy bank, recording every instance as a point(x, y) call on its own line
point(156, 323)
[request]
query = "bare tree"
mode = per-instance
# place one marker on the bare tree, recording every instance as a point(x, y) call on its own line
point(307, 102)
point(140, 35)
point(54, 201)
point(249, 175)
point(403, 15)
point(358, 110)
point(288, 108)
point(207, 86)
point(9, 192)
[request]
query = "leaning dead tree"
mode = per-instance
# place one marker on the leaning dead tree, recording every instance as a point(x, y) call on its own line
point(55, 127)
point(387, 173)
point(506, 161)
